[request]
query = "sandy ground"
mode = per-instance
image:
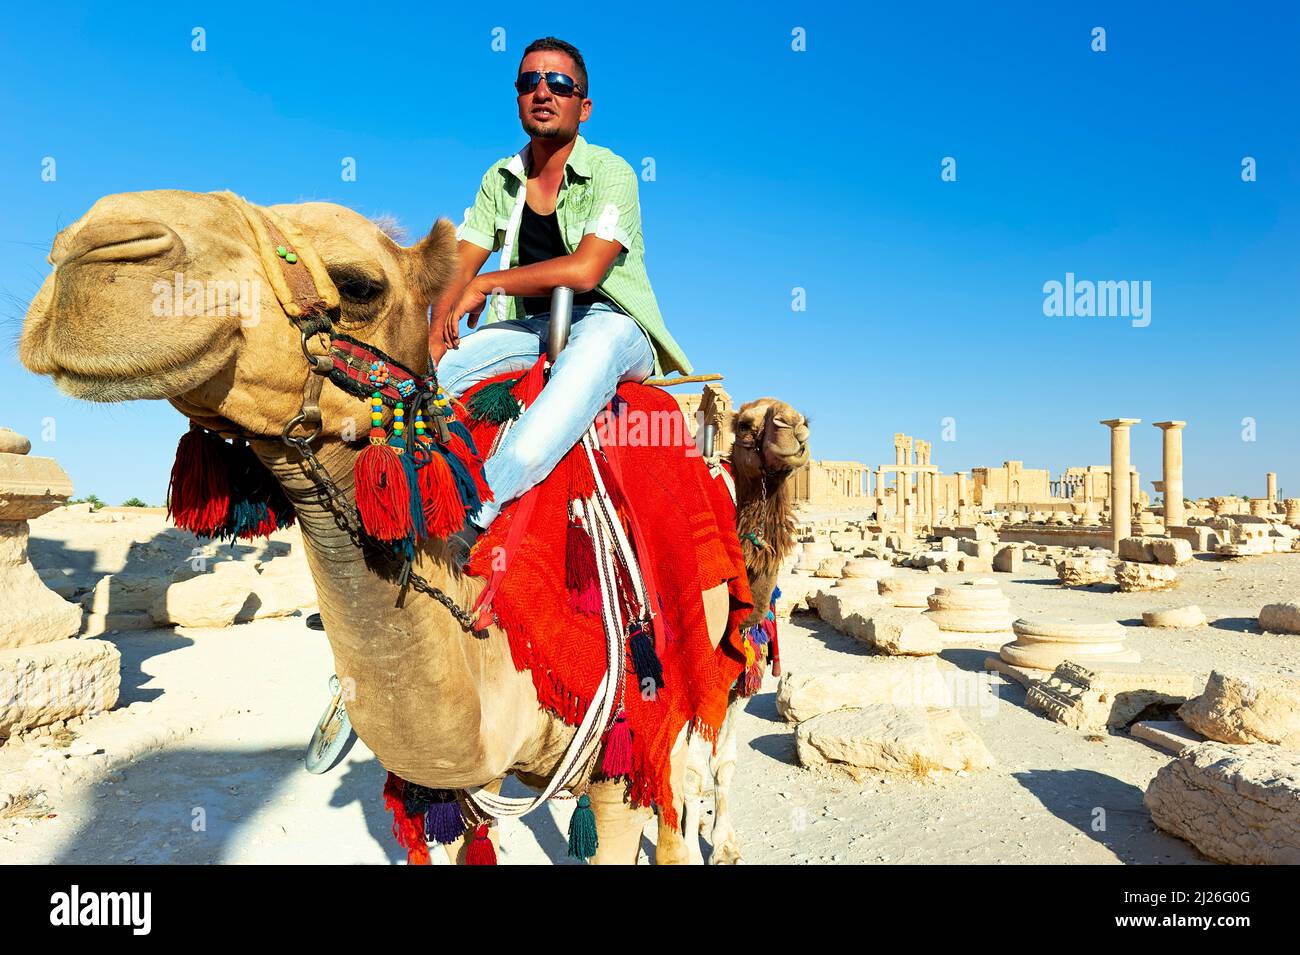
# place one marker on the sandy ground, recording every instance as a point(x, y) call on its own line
point(214, 724)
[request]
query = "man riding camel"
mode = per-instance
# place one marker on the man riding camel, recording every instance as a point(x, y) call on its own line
point(563, 213)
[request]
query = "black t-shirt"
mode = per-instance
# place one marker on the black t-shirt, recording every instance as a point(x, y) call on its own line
point(539, 240)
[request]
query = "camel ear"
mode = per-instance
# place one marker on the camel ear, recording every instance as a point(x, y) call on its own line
point(731, 421)
point(433, 259)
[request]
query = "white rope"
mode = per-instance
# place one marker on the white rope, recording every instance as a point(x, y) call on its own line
point(717, 470)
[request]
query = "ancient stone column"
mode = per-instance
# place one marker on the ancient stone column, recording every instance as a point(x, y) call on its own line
point(961, 496)
point(46, 673)
point(1044, 643)
point(880, 494)
point(1271, 478)
point(922, 495)
point(1173, 471)
point(1121, 507)
point(1292, 510)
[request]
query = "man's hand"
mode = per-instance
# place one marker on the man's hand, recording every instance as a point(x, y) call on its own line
point(443, 327)
point(471, 303)
point(444, 320)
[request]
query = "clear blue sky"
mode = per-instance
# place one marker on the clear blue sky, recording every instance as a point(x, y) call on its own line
point(775, 169)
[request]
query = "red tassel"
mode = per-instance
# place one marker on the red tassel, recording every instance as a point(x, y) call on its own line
point(586, 600)
point(579, 557)
point(618, 749)
point(481, 851)
point(383, 498)
point(530, 386)
point(444, 511)
point(473, 464)
point(198, 497)
point(582, 484)
point(407, 829)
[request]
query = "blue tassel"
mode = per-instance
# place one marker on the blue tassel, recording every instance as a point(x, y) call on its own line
point(644, 659)
point(464, 483)
point(582, 830)
point(443, 822)
point(410, 465)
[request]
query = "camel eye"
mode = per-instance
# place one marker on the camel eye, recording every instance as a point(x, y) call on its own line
point(357, 287)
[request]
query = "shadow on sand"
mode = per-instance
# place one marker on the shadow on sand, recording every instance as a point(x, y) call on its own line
point(193, 806)
point(1107, 810)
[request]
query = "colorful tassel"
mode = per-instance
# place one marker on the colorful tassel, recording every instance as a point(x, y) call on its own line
point(383, 495)
point(587, 600)
point(251, 486)
point(458, 429)
point(443, 821)
point(579, 557)
point(473, 465)
point(644, 659)
point(582, 483)
point(277, 502)
point(465, 485)
point(444, 511)
point(410, 459)
point(198, 496)
point(494, 403)
point(407, 829)
point(481, 851)
point(617, 760)
point(582, 830)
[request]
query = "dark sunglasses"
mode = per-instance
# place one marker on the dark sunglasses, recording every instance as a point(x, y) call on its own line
point(560, 84)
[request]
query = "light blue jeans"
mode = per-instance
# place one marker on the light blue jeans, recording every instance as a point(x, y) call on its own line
point(605, 347)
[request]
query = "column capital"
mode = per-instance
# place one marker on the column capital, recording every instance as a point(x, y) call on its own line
point(1169, 425)
point(1121, 422)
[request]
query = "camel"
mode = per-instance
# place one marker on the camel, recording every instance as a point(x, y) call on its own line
point(437, 706)
point(770, 443)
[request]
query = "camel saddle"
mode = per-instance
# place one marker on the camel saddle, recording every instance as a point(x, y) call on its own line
point(681, 523)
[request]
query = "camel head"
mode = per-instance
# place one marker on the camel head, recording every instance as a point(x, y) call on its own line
point(170, 294)
point(769, 436)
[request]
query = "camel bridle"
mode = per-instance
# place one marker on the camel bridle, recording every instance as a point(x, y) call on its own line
point(310, 299)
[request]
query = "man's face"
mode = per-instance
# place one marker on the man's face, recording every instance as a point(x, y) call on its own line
point(542, 113)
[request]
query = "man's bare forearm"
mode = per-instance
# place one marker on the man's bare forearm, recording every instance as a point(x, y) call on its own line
point(541, 277)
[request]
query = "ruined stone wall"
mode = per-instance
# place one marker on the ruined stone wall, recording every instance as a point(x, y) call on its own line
point(1012, 483)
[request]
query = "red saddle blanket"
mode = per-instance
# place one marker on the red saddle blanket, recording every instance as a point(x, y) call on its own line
point(683, 528)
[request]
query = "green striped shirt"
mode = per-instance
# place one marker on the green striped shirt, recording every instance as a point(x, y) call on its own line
point(598, 196)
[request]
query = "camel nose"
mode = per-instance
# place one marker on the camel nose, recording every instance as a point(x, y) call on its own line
point(116, 242)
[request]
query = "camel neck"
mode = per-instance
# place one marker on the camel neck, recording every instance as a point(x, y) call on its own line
point(464, 716)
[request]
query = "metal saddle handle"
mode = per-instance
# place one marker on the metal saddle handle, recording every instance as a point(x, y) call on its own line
point(561, 320)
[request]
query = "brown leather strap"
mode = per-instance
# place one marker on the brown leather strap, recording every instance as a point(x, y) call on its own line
point(311, 304)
